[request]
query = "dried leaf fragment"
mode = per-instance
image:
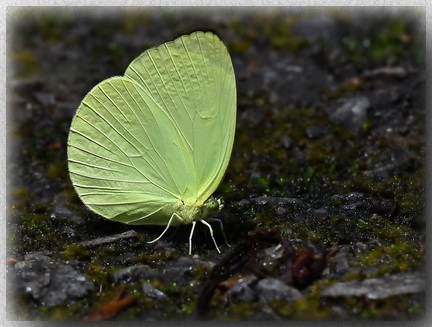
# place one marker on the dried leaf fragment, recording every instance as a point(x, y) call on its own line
point(111, 309)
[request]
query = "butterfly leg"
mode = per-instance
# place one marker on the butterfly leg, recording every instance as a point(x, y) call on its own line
point(221, 227)
point(211, 233)
point(166, 228)
point(190, 237)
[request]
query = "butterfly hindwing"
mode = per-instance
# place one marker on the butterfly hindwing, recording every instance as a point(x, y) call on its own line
point(119, 152)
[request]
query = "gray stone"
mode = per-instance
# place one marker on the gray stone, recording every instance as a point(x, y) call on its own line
point(316, 27)
point(317, 131)
point(320, 213)
point(399, 72)
point(339, 262)
point(262, 200)
point(339, 312)
point(352, 113)
point(269, 289)
point(152, 292)
point(286, 141)
point(241, 291)
point(379, 288)
point(133, 274)
point(49, 282)
point(111, 238)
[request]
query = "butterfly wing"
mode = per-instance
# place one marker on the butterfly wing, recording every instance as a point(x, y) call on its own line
point(119, 151)
point(192, 79)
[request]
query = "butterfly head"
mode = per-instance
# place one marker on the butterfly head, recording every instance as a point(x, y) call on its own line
point(212, 206)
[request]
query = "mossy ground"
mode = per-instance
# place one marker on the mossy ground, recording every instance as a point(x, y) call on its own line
point(62, 55)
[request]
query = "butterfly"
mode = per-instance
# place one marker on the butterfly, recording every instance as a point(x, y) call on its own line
point(150, 147)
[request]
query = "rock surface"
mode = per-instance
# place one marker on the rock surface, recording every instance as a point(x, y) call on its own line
point(49, 282)
point(380, 288)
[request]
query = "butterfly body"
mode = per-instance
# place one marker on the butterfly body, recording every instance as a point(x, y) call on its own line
point(185, 213)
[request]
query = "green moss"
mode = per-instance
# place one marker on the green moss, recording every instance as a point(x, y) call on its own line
point(391, 39)
point(76, 251)
point(26, 62)
point(63, 312)
point(309, 307)
point(57, 170)
point(354, 275)
point(346, 88)
point(133, 20)
point(319, 150)
point(395, 258)
point(240, 46)
point(239, 311)
point(21, 197)
point(263, 184)
point(34, 232)
point(402, 307)
point(99, 274)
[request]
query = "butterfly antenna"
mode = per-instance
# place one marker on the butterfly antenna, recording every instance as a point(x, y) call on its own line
point(166, 228)
point(211, 233)
point(222, 229)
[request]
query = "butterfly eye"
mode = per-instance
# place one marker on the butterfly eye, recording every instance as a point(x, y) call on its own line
point(212, 204)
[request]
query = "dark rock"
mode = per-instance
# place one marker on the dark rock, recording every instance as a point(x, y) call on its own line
point(339, 263)
point(321, 213)
point(181, 270)
point(349, 197)
point(243, 202)
point(352, 114)
point(269, 257)
point(317, 131)
point(379, 288)
point(241, 291)
point(62, 212)
point(45, 98)
point(286, 141)
point(65, 110)
point(356, 202)
point(50, 282)
point(316, 27)
point(352, 208)
point(339, 312)
point(178, 271)
point(382, 171)
point(281, 211)
point(269, 289)
point(382, 206)
point(360, 247)
point(399, 72)
point(123, 258)
point(152, 292)
point(403, 130)
point(110, 239)
point(252, 117)
point(134, 274)
point(165, 248)
point(276, 200)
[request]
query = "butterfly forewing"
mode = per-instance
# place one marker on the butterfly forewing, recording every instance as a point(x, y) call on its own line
point(192, 78)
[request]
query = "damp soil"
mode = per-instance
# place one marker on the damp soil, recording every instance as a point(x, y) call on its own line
point(324, 196)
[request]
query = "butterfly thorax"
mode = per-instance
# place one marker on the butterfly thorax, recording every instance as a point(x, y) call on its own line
point(196, 211)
